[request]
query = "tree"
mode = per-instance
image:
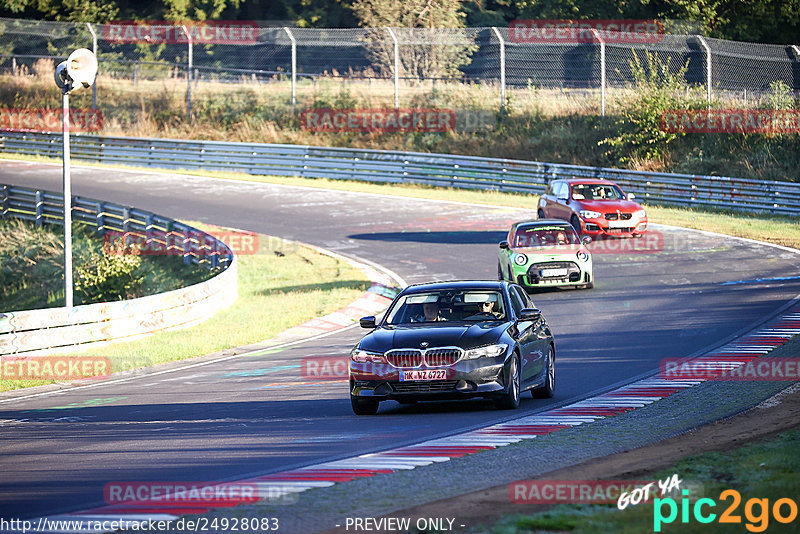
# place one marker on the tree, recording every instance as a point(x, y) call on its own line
point(434, 53)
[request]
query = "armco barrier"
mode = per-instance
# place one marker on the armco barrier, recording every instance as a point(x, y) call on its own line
point(34, 332)
point(414, 167)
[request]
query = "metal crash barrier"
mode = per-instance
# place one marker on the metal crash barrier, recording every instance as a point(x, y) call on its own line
point(41, 331)
point(443, 170)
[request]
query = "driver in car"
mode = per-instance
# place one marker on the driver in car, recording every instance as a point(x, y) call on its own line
point(488, 307)
point(485, 311)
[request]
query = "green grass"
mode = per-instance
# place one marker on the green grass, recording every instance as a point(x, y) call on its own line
point(763, 470)
point(283, 285)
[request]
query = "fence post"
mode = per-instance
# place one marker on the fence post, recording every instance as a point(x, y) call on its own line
point(94, 50)
point(188, 75)
point(396, 69)
point(294, 67)
point(4, 202)
point(708, 67)
point(39, 204)
point(796, 70)
point(502, 68)
point(602, 72)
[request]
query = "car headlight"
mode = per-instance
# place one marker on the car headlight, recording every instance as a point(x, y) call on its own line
point(520, 259)
point(588, 214)
point(488, 350)
point(583, 256)
point(639, 213)
point(363, 356)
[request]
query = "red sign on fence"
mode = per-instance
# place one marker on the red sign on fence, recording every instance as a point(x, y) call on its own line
point(202, 32)
point(50, 119)
point(585, 31)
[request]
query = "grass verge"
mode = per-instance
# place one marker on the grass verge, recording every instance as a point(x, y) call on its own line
point(284, 284)
point(763, 470)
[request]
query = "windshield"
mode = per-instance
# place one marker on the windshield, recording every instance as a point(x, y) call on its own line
point(544, 236)
point(447, 306)
point(596, 192)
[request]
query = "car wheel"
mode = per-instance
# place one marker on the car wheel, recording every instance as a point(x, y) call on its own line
point(540, 214)
point(500, 272)
point(576, 223)
point(590, 285)
point(510, 400)
point(549, 388)
point(364, 406)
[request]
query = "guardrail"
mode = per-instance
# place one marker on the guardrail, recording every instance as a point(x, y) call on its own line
point(444, 170)
point(41, 331)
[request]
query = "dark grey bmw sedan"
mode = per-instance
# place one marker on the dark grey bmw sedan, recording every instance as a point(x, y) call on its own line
point(451, 340)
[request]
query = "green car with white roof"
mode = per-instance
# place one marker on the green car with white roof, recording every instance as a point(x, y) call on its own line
point(545, 253)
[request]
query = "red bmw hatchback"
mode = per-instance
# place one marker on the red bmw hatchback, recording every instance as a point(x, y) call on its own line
point(593, 207)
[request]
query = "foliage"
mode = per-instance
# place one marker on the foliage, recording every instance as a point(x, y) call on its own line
point(32, 268)
point(656, 89)
point(779, 96)
point(31, 258)
point(440, 54)
point(110, 275)
point(772, 21)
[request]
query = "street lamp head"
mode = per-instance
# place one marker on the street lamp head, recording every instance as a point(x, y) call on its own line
point(79, 68)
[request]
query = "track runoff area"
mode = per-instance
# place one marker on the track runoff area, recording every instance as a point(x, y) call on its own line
point(252, 420)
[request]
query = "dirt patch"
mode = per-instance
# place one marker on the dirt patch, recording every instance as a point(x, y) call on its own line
point(776, 415)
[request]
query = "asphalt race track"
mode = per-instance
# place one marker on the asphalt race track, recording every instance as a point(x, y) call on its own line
point(250, 416)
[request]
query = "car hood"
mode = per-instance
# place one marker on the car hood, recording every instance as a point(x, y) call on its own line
point(464, 335)
point(606, 206)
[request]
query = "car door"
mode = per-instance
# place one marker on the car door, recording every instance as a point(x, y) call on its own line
point(505, 256)
point(527, 339)
point(547, 201)
point(544, 335)
point(560, 208)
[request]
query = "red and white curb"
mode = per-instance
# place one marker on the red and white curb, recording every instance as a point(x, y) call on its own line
point(623, 399)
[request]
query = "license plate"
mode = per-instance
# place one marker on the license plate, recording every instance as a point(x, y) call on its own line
point(423, 374)
point(554, 272)
point(619, 224)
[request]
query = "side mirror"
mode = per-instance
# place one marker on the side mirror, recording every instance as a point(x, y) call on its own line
point(503, 245)
point(530, 314)
point(367, 322)
point(586, 240)
point(630, 196)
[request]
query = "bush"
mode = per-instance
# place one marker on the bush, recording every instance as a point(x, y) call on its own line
point(657, 89)
point(111, 275)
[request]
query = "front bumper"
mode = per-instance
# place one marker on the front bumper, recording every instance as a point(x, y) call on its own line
point(532, 276)
point(480, 377)
point(603, 228)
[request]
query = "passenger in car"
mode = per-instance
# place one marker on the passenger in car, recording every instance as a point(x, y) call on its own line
point(430, 313)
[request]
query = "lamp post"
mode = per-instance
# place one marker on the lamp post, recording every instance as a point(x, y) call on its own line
point(79, 70)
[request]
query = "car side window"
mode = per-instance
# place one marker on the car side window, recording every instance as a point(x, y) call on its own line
point(516, 300)
point(561, 190)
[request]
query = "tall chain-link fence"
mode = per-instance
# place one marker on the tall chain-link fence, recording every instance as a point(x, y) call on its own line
point(401, 63)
